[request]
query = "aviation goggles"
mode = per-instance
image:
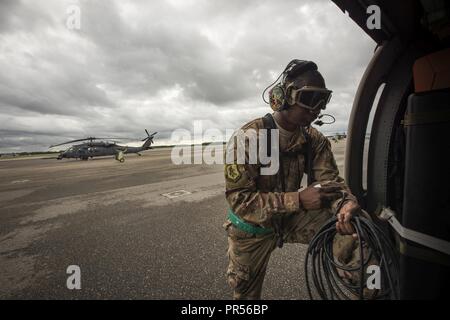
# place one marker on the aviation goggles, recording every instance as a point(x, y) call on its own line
point(311, 98)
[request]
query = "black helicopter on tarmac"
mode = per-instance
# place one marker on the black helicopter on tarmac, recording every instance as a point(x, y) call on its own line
point(93, 148)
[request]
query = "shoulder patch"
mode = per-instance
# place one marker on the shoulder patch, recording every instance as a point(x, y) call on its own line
point(232, 172)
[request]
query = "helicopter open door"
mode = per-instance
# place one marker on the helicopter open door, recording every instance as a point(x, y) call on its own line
point(405, 170)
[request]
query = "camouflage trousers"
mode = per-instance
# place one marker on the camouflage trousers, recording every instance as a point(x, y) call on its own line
point(248, 254)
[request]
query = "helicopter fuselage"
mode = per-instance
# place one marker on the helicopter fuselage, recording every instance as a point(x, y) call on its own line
point(97, 149)
point(93, 148)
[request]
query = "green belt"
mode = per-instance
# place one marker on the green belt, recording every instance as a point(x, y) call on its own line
point(244, 226)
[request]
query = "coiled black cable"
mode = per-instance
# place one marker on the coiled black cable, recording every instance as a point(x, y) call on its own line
point(324, 272)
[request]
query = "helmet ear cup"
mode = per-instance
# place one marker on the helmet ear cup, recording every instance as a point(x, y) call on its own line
point(277, 97)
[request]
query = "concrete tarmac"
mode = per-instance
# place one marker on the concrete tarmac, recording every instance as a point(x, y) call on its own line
point(142, 229)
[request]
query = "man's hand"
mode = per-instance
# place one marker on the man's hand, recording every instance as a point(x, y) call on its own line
point(313, 198)
point(343, 225)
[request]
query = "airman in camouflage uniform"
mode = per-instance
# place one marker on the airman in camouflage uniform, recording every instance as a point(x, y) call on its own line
point(292, 215)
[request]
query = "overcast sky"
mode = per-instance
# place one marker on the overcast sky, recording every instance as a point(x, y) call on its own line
point(162, 64)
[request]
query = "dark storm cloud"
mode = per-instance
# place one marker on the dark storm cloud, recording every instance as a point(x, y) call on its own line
point(15, 16)
point(164, 52)
point(161, 64)
point(6, 7)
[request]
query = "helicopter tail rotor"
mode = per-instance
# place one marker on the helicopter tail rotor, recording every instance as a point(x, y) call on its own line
point(149, 136)
point(148, 140)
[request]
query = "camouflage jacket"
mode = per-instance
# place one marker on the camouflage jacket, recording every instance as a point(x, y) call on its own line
point(256, 198)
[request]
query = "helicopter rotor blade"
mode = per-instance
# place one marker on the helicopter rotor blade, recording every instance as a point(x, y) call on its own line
point(87, 139)
point(117, 138)
point(71, 141)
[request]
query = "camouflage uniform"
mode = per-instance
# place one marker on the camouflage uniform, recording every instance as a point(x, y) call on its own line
point(257, 199)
